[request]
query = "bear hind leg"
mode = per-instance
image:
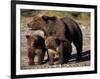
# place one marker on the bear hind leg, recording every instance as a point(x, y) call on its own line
point(79, 46)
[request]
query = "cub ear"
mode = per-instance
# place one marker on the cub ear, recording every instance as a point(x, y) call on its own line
point(27, 36)
point(45, 18)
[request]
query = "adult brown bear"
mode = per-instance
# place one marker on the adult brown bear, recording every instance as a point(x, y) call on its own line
point(62, 28)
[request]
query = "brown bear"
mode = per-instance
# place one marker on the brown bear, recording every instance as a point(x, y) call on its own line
point(36, 46)
point(62, 47)
point(63, 28)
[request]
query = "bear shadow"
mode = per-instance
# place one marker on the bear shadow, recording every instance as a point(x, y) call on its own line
point(85, 56)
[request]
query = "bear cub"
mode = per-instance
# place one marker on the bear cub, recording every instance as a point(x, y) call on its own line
point(54, 46)
point(36, 46)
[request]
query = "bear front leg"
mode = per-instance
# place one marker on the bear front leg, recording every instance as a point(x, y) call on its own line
point(51, 56)
point(31, 55)
point(61, 53)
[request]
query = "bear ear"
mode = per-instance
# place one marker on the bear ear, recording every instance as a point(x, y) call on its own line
point(53, 18)
point(27, 36)
point(45, 18)
point(57, 40)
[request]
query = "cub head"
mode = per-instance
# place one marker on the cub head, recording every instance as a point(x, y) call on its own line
point(35, 41)
point(30, 40)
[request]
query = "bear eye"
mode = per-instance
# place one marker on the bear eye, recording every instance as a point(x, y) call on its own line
point(35, 20)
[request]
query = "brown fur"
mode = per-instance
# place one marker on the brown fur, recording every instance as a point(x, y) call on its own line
point(54, 46)
point(62, 28)
point(36, 46)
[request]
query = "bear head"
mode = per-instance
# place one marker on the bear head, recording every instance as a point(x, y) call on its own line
point(45, 23)
point(35, 41)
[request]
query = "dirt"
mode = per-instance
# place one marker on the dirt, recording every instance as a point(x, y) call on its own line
point(72, 63)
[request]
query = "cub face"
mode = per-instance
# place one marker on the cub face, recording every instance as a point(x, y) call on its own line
point(30, 40)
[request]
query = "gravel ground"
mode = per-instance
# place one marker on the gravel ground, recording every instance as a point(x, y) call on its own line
point(86, 49)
